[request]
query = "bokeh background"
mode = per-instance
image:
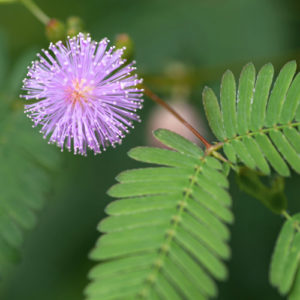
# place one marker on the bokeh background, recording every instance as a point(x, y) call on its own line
point(180, 46)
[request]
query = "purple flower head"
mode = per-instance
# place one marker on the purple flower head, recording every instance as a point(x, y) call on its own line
point(87, 96)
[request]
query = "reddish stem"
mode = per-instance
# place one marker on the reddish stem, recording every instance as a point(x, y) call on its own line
point(161, 102)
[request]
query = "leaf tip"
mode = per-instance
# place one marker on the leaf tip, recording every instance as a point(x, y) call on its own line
point(157, 132)
point(206, 91)
point(132, 152)
point(111, 191)
point(268, 66)
point(248, 67)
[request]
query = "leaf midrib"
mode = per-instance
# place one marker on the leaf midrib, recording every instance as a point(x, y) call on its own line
point(164, 249)
point(260, 131)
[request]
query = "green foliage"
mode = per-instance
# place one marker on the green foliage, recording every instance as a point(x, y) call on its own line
point(268, 31)
point(271, 195)
point(166, 236)
point(3, 58)
point(25, 161)
point(7, 1)
point(255, 123)
point(285, 264)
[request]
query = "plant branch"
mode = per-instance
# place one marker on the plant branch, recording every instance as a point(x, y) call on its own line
point(161, 102)
point(36, 11)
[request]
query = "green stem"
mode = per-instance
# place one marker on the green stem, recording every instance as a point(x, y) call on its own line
point(220, 157)
point(7, 1)
point(288, 217)
point(36, 11)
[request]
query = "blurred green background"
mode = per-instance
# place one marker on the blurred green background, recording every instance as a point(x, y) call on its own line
point(207, 36)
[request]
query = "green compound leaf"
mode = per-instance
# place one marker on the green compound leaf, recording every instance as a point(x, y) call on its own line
point(166, 236)
point(213, 113)
point(259, 125)
point(285, 263)
point(260, 98)
point(245, 95)
point(279, 92)
point(26, 162)
point(228, 103)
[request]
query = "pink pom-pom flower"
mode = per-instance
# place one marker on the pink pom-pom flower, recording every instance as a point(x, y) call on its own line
point(84, 95)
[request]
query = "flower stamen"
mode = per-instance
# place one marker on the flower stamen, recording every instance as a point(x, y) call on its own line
point(79, 92)
point(88, 97)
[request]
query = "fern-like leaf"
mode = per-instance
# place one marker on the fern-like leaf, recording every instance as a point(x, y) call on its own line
point(165, 238)
point(285, 264)
point(257, 124)
point(25, 162)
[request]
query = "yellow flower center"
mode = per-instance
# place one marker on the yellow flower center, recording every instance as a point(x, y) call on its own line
point(78, 92)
